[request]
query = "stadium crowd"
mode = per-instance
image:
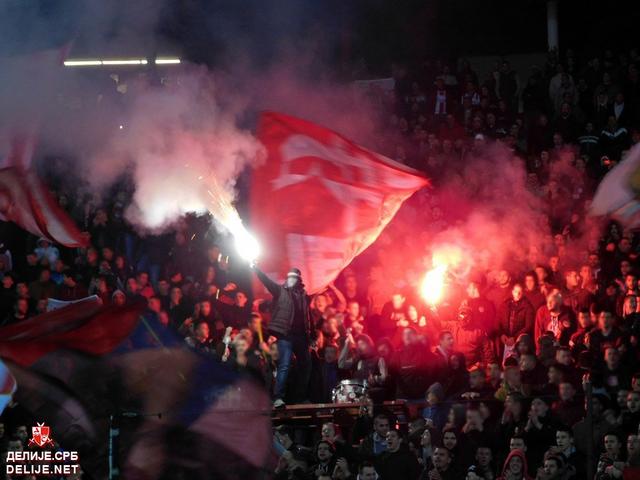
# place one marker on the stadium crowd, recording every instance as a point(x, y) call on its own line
point(502, 368)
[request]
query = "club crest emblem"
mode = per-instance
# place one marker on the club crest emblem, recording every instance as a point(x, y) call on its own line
point(40, 435)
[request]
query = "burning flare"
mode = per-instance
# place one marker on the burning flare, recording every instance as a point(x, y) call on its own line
point(447, 260)
point(226, 214)
point(432, 287)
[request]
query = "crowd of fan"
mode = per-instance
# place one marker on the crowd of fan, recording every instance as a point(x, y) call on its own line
point(502, 371)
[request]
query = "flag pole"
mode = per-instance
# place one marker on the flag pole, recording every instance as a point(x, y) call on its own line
point(114, 433)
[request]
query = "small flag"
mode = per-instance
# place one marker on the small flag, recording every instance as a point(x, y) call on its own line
point(7, 386)
point(618, 192)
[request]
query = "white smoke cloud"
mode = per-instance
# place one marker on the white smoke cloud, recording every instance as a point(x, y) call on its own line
point(178, 143)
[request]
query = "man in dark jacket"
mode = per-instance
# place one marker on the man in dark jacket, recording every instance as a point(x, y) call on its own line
point(443, 467)
point(291, 325)
point(414, 365)
point(397, 462)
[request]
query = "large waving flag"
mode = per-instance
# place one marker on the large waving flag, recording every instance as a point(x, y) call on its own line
point(16, 149)
point(618, 192)
point(320, 200)
point(80, 365)
point(25, 200)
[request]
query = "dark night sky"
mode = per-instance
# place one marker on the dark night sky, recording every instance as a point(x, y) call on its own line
point(216, 31)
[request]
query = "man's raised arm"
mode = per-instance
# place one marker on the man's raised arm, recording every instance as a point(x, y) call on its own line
point(273, 287)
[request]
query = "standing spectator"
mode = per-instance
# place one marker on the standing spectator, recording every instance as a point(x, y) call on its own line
point(567, 409)
point(436, 411)
point(565, 446)
point(516, 317)
point(515, 467)
point(397, 462)
point(414, 366)
point(606, 333)
point(376, 442)
point(442, 468)
point(291, 325)
point(501, 291)
point(554, 317)
point(46, 251)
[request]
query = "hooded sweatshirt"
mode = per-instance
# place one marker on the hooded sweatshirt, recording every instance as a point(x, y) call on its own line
point(505, 467)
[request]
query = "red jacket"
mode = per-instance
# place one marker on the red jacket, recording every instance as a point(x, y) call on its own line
point(566, 324)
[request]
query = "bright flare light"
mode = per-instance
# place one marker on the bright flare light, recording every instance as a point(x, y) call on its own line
point(247, 245)
point(432, 288)
point(447, 262)
point(224, 212)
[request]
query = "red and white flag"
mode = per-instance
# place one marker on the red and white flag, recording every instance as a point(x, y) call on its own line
point(619, 191)
point(320, 200)
point(25, 200)
point(16, 150)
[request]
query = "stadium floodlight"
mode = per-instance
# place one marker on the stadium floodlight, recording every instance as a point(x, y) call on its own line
point(141, 61)
point(82, 63)
point(99, 62)
point(167, 61)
